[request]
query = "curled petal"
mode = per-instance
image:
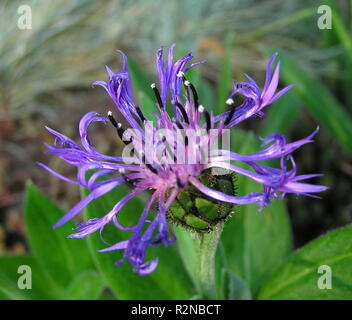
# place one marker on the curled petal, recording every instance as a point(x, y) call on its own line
point(98, 192)
point(255, 197)
point(56, 174)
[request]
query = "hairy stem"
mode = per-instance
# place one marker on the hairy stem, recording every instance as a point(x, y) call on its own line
point(205, 266)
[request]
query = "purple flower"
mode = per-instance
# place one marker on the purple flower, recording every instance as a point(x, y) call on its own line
point(155, 164)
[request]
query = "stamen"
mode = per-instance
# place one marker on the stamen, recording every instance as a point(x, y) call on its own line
point(178, 181)
point(151, 168)
point(120, 131)
point(112, 119)
point(189, 84)
point(200, 108)
point(157, 95)
point(118, 127)
point(140, 114)
point(183, 111)
point(230, 102)
point(180, 74)
point(122, 172)
point(148, 165)
point(207, 119)
point(179, 125)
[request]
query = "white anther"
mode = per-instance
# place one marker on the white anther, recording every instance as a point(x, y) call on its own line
point(153, 85)
point(109, 113)
point(122, 170)
point(230, 101)
point(180, 74)
point(119, 125)
point(200, 108)
point(187, 83)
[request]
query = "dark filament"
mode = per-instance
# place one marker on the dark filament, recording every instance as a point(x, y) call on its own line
point(178, 181)
point(207, 119)
point(140, 114)
point(183, 111)
point(128, 180)
point(149, 166)
point(195, 95)
point(232, 112)
point(179, 125)
point(187, 85)
point(157, 95)
point(118, 127)
point(112, 119)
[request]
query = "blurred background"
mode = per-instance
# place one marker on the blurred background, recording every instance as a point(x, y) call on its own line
point(46, 74)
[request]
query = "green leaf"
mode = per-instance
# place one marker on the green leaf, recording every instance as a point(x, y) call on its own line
point(87, 286)
point(342, 33)
point(63, 258)
point(255, 244)
point(319, 101)
point(298, 277)
point(281, 116)
point(234, 288)
point(169, 281)
point(274, 25)
point(187, 249)
point(205, 91)
point(225, 79)
point(9, 291)
point(140, 79)
point(141, 83)
point(339, 35)
point(40, 279)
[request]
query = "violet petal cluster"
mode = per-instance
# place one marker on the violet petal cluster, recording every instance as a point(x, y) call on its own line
point(164, 180)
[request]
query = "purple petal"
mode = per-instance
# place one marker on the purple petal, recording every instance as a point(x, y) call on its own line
point(255, 197)
point(56, 174)
point(297, 187)
point(118, 246)
point(270, 90)
point(148, 267)
point(280, 93)
point(268, 70)
point(84, 202)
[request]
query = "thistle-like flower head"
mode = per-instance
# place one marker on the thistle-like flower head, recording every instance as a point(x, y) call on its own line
point(174, 158)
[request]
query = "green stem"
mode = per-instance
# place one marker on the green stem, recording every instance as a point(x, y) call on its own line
point(204, 274)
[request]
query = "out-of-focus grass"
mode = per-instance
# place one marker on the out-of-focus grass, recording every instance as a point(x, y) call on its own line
point(70, 41)
point(328, 110)
point(67, 41)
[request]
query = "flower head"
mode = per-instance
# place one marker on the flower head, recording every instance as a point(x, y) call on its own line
point(173, 158)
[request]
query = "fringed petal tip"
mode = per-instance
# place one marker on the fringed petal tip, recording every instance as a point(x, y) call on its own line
point(147, 267)
point(122, 245)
